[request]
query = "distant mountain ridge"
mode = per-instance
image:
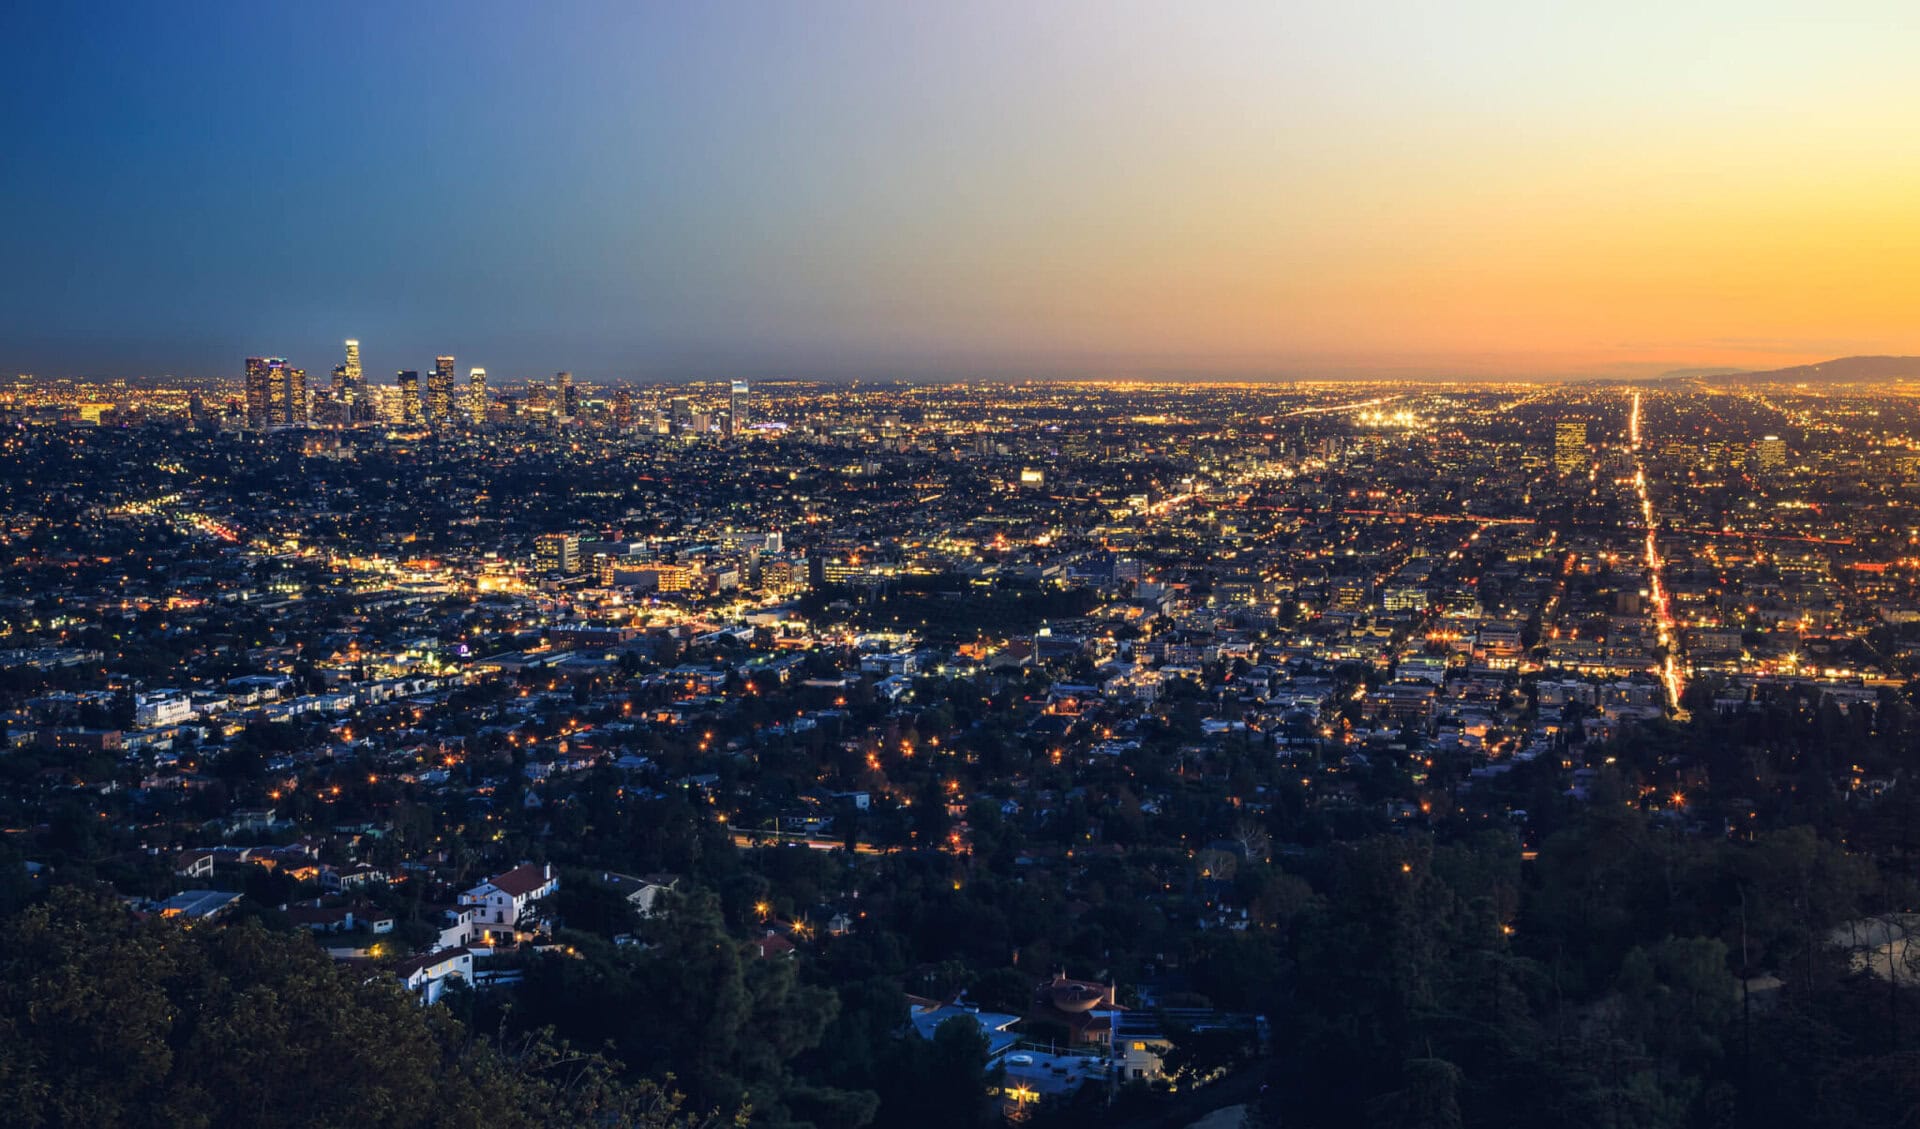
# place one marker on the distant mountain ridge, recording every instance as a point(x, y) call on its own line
point(1701, 373)
point(1839, 369)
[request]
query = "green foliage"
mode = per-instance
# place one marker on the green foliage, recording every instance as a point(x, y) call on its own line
point(1447, 985)
point(110, 1020)
point(1196, 1056)
point(938, 1083)
point(692, 1003)
point(1429, 1099)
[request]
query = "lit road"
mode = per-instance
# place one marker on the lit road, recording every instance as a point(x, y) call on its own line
point(1484, 519)
point(1166, 505)
point(1662, 606)
point(1332, 409)
point(749, 839)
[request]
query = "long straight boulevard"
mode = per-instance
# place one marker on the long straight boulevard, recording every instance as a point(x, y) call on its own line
point(1669, 639)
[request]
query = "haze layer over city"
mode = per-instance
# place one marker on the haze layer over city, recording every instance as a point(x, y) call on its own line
point(842, 565)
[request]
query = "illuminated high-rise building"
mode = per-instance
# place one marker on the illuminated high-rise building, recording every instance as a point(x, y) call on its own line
point(569, 395)
point(737, 407)
point(276, 393)
point(440, 392)
point(349, 388)
point(557, 553)
point(297, 403)
point(477, 395)
point(287, 397)
point(257, 378)
point(1770, 453)
point(681, 413)
point(409, 390)
point(1570, 447)
point(623, 417)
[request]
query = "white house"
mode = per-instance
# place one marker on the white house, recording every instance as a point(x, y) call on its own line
point(500, 902)
point(194, 864)
point(428, 975)
point(456, 927)
point(161, 707)
point(642, 893)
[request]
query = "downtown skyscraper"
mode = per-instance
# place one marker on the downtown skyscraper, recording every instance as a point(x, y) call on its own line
point(349, 388)
point(477, 395)
point(440, 392)
point(258, 375)
point(276, 393)
point(410, 409)
point(1570, 447)
point(349, 383)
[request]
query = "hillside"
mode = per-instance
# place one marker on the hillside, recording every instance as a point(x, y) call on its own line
point(1839, 370)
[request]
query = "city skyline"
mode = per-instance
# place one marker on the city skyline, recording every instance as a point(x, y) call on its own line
point(861, 191)
point(856, 564)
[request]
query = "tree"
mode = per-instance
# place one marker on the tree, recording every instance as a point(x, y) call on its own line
point(1197, 1056)
point(1679, 998)
point(107, 1019)
point(690, 1004)
point(1429, 1098)
point(941, 1082)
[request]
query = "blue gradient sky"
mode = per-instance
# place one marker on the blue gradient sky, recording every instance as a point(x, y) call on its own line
point(906, 188)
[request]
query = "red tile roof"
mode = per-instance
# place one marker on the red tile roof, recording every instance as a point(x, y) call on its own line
point(772, 945)
point(522, 880)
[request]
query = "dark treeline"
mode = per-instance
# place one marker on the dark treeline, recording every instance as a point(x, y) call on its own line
point(106, 1019)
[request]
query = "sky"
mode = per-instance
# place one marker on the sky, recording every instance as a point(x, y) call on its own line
point(928, 189)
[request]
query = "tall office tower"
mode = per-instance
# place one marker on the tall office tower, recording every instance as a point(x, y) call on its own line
point(287, 397)
point(258, 377)
point(477, 395)
point(349, 387)
point(276, 393)
point(1569, 447)
point(299, 404)
point(1770, 453)
point(408, 382)
point(682, 413)
point(737, 407)
point(569, 395)
point(623, 408)
point(557, 553)
point(538, 402)
point(440, 392)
